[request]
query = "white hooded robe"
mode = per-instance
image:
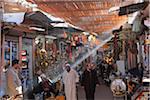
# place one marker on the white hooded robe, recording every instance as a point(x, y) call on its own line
point(69, 80)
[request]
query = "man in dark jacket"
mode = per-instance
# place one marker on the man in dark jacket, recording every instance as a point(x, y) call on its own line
point(89, 81)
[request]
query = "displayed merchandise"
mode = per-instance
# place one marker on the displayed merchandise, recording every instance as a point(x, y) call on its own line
point(11, 52)
point(49, 59)
point(14, 51)
point(24, 59)
point(25, 70)
point(118, 87)
point(51, 54)
point(145, 95)
point(27, 65)
point(25, 79)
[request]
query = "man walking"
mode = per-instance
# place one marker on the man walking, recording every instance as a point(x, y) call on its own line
point(70, 78)
point(89, 81)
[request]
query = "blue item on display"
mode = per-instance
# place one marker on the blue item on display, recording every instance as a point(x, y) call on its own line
point(25, 80)
point(10, 52)
point(7, 56)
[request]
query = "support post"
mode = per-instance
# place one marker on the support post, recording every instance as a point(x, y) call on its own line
point(33, 54)
point(0, 46)
point(20, 47)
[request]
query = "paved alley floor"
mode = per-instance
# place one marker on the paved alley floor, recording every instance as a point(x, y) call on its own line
point(102, 93)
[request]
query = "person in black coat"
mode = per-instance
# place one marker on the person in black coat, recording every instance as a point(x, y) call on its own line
point(89, 81)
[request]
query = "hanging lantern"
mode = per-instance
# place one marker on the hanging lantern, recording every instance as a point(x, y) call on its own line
point(76, 38)
point(84, 39)
point(65, 35)
point(94, 39)
point(73, 43)
point(97, 42)
point(90, 38)
point(118, 87)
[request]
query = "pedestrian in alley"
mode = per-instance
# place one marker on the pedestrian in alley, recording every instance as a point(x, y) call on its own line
point(70, 78)
point(14, 86)
point(89, 81)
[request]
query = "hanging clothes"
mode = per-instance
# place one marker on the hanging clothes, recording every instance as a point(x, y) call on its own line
point(132, 55)
point(136, 24)
point(116, 48)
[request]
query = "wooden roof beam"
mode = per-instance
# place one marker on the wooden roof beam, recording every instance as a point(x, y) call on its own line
point(101, 11)
point(100, 30)
point(98, 21)
point(80, 22)
point(84, 10)
point(68, 1)
point(95, 28)
point(99, 24)
point(71, 6)
point(76, 15)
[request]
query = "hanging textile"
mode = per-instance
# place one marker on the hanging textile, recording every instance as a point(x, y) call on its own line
point(54, 48)
point(84, 39)
point(132, 60)
point(137, 25)
point(132, 55)
point(69, 51)
point(116, 51)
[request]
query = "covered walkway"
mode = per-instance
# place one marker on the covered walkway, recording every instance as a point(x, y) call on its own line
point(102, 93)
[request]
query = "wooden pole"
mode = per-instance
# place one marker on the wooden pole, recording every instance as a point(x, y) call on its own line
point(1, 18)
point(123, 50)
point(33, 54)
point(3, 50)
point(20, 48)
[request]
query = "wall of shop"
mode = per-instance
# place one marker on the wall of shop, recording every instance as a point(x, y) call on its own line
point(12, 47)
point(28, 72)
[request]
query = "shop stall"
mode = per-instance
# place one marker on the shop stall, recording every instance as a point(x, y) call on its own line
point(55, 49)
point(19, 44)
point(52, 53)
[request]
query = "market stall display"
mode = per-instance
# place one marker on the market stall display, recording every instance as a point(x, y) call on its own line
point(118, 88)
point(51, 56)
point(11, 52)
point(51, 53)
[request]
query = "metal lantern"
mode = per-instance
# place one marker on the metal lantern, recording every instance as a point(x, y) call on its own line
point(118, 87)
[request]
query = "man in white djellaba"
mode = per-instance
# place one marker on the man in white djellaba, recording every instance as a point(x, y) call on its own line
point(70, 78)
